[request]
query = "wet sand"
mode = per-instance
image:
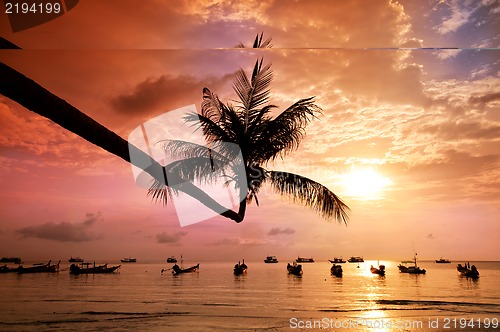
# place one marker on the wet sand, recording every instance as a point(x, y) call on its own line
point(409, 320)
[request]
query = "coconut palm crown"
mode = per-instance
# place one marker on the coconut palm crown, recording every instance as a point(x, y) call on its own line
point(256, 138)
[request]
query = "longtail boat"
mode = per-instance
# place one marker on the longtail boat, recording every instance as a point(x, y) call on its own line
point(240, 268)
point(336, 270)
point(85, 268)
point(176, 269)
point(39, 268)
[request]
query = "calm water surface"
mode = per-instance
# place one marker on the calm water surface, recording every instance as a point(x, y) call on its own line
point(141, 298)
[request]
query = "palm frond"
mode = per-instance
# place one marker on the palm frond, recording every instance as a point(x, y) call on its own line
point(257, 119)
point(310, 193)
point(283, 134)
point(232, 122)
point(258, 43)
point(178, 149)
point(202, 170)
point(256, 176)
point(211, 106)
point(253, 92)
point(210, 127)
point(159, 192)
point(198, 169)
point(299, 114)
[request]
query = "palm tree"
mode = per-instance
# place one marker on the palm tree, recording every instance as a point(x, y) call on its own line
point(261, 138)
point(248, 126)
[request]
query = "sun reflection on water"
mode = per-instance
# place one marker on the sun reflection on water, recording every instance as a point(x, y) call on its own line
point(374, 320)
point(372, 317)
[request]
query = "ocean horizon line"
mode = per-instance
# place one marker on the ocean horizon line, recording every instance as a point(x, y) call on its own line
point(252, 260)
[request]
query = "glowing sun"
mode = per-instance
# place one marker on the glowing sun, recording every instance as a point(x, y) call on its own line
point(364, 183)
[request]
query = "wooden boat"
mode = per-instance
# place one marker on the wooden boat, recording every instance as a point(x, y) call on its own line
point(129, 260)
point(356, 259)
point(171, 259)
point(337, 260)
point(462, 268)
point(39, 268)
point(85, 268)
point(271, 259)
point(240, 268)
point(442, 261)
point(15, 260)
point(6, 269)
point(294, 268)
point(380, 270)
point(468, 271)
point(411, 269)
point(336, 270)
point(75, 260)
point(176, 269)
point(304, 260)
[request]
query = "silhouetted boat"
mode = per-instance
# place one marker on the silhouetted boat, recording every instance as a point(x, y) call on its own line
point(6, 269)
point(462, 268)
point(75, 260)
point(240, 268)
point(336, 270)
point(39, 268)
point(129, 260)
point(176, 269)
point(85, 268)
point(380, 270)
point(15, 260)
point(411, 269)
point(271, 259)
point(468, 271)
point(337, 260)
point(442, 261)
point(171, 259)
point(356, 259)
point(294, 268)
point(304, 260)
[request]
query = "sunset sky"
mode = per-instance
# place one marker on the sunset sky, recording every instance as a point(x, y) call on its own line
point(409, 136)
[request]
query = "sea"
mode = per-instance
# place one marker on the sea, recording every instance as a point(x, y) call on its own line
point(140, 297)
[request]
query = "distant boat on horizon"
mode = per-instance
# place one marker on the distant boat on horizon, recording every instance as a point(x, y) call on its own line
point(442, 261)
point(129, 260)
point(356, 259)
point(304, 260)
point(75, 259)
point(337, 260)
point(15, 260)
point(171, 259)
point(271, 259)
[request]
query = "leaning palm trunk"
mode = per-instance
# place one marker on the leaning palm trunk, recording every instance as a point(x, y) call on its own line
point(37, 99)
